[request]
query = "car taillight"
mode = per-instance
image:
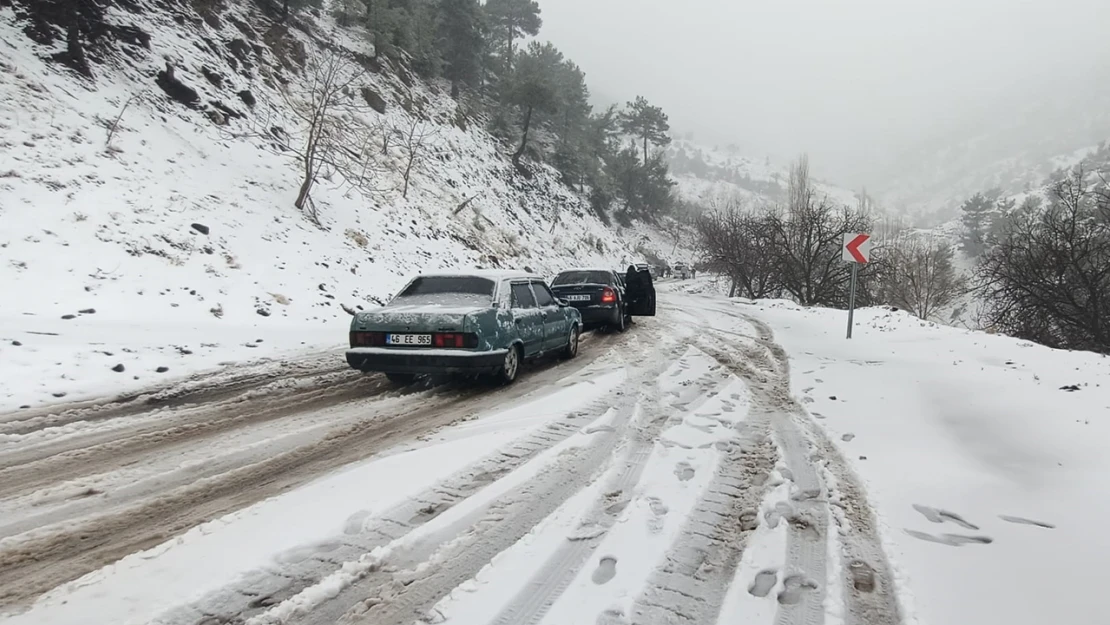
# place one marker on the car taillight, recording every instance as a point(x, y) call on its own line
point(455, 339)
point(608, 296)
point(367, 339)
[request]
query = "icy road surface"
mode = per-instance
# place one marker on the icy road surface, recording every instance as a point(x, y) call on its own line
point(669, 474)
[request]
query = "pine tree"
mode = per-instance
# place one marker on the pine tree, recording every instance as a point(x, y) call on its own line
point(648, 123)
point(511, 20)
point(460, 32)
point(976, 215)
point(533, 88)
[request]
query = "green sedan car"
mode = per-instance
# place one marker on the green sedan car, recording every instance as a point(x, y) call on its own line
point(477, 323)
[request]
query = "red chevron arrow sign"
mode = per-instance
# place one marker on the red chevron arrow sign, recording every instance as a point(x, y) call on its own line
point(857, 248)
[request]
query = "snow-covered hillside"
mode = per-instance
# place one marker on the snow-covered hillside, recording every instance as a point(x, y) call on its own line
point(185, 224)
point(1012, 147)
point(705, 174)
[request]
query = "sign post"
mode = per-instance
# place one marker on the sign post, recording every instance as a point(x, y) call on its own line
point(857, 250)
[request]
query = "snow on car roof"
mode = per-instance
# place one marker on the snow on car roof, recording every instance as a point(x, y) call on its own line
point(588, 269)
point(492, 274)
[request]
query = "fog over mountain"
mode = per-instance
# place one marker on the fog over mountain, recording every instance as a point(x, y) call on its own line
point(869, 88)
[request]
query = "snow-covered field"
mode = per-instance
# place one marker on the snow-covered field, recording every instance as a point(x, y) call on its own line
point(178, 246)
point(984, 457)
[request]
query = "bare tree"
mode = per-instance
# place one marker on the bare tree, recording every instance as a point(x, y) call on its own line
point(916, 273)
point(807, 235)
point(737, 242)
point(414, 144)
point(1048, 277)
point(323, 102)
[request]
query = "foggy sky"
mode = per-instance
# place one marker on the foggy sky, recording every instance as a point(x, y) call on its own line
point(848, 81)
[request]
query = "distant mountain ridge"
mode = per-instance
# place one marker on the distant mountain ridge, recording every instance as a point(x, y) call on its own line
point(707, 173)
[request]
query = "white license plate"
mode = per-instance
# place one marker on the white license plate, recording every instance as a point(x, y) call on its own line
point(578, 298)
point(408, 339)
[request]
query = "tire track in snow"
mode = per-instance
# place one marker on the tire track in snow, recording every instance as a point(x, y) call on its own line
point(867, 579)
point(38, 561)
point(552, 579)
point(263, 589)
point(691, 585)
point(418, 575)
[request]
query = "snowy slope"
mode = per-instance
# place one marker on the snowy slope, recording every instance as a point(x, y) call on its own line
point(88, 227)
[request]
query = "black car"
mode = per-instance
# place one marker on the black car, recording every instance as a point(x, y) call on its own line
point(606, 297)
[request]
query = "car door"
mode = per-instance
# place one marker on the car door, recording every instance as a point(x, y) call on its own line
point(622, 289)
point(640, 292)
point(528, 318)
point(554, 320)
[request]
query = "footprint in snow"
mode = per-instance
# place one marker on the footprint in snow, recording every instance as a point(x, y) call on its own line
point(795, 587)
point(658, 511)
point(781, 510)
point(937, 515)
point(847, 438)
point(605, 571)
point(354, 524)
point(863, 576)
point(764, 581)
point(952, 540)
point(1024, 521)
point(612, 616)
point(684, 471)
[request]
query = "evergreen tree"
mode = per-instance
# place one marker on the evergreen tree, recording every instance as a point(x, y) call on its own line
point(460, 33)
point(511, 20)
point(533, 88)
point(976, 215)
point(648, 123)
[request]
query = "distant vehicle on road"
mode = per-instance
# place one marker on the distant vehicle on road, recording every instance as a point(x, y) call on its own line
point(476, 323)
point(681, 271)
point(599, 294)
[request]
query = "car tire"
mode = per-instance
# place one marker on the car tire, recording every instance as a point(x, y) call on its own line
point(571, 350)
point(510, 369)
point(401, 379)
point(620, 324)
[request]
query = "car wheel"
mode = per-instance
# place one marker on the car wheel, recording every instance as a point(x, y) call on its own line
point(511, 367)
point(401, 379)
point(572, 343)
point(619, 324)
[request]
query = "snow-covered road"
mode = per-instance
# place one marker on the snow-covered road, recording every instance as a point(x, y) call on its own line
point(670, 474)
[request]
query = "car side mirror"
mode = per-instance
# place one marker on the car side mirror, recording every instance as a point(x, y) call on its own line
point(562, 303)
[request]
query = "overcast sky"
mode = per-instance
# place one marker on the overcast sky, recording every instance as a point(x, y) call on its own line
point(846, 80)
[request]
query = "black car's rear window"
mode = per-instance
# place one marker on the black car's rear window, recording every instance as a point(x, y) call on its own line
point(583, 277)
point(448, 290)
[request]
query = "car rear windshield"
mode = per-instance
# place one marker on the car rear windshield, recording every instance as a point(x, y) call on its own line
point(448, 291)
point(583, 277)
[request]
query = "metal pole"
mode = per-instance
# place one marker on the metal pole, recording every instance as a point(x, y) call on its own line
point(852, 298)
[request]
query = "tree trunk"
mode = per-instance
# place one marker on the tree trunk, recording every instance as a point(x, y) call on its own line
point(523, 139)
point(74, 49)
point(454, 90)
point(408, 172)
point(284, 10)
point(302, 196)
point(645, 150)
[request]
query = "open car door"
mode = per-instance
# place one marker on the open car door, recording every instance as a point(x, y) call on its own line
point(640, 291)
